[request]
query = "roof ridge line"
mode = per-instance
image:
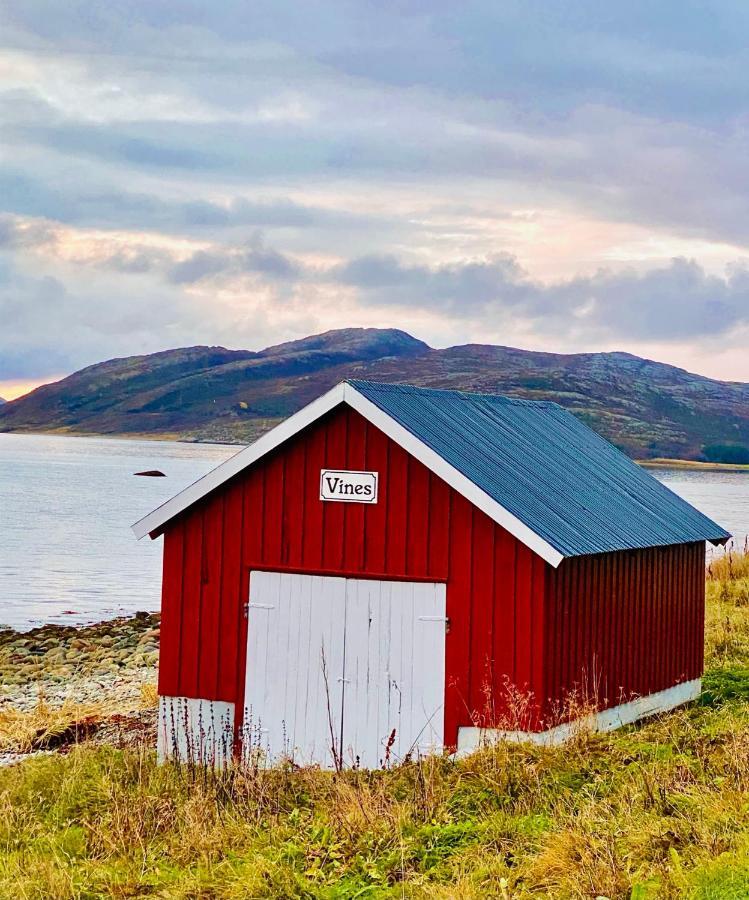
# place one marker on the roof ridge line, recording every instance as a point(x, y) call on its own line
point(479, 395)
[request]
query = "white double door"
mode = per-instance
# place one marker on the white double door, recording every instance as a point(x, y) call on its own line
point(344, 669)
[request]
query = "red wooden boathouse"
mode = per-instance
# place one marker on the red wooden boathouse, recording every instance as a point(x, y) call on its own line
point(395, 570)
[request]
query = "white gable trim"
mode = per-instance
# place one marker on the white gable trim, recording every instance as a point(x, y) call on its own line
point(346, 393)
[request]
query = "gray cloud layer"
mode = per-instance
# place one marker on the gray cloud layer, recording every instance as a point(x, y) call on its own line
point(263, 158)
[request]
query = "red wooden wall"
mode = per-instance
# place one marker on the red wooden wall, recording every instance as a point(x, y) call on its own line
point(272, 517)
point(624, 625)
point(513, 619)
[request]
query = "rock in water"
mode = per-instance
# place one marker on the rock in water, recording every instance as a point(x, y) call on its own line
point(151, 473)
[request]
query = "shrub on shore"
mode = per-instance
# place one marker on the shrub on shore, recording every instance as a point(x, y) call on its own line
point(729, 568)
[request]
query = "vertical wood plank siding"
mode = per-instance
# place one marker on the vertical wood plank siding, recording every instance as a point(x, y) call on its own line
point(516, 624)
point(623, 625)
point(272, 517)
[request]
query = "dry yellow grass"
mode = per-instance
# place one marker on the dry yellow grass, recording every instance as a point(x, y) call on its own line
point(149, 695)
point(45, 726)
point(730, 567)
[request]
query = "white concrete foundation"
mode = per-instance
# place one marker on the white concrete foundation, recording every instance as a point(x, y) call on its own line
point(470, 739)
point(195, 731)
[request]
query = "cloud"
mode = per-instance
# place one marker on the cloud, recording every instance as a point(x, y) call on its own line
point(255, 260)
point(457, 289)
point(24, 235)
point(26, 193)
point(79, 310)
point(673, 303)
point(54, 324)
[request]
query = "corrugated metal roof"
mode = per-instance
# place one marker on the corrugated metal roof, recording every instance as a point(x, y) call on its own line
point(553, 473)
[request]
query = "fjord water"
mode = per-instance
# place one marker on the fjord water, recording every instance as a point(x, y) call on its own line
point(724, 496)
point(67, 553)
point(66, 505)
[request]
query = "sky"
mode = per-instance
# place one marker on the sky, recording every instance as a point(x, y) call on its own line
point(565, 176)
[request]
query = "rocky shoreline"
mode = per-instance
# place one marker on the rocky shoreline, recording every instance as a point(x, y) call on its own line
point(113, 662)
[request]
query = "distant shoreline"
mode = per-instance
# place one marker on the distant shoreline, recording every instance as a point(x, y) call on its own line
point(663, 463)
point(167, 437)
point(177, 438)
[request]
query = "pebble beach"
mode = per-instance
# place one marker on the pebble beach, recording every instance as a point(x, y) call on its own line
point(109, 667)
point(64, 662)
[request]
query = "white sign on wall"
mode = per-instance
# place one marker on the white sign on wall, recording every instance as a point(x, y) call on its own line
point(348, 487)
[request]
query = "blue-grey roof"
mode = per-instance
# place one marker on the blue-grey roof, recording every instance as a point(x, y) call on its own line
point(558, 477)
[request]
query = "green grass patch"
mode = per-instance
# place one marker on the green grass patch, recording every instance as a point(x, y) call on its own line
point(726, 878)
point(724, 685)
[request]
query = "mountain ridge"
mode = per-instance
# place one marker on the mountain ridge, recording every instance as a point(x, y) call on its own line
point(646, 407)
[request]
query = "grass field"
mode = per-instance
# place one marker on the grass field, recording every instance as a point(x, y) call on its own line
point(661, 810)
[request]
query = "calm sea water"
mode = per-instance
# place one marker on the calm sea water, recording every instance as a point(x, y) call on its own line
point(66, 505)
point(67, 553)
point(724, 496)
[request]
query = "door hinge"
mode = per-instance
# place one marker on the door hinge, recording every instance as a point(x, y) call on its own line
point(252, 605)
